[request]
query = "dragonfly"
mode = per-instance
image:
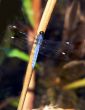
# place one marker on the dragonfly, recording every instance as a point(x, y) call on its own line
point(48, 48)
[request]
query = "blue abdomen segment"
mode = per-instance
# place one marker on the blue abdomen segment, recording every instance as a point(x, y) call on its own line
point(38, 42)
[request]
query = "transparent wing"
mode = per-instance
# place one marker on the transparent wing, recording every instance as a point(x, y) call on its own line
point(47, 48)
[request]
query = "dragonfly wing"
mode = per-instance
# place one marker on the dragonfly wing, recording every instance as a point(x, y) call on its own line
point(49, 48)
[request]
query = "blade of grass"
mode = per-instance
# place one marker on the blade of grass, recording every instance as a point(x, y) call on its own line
point(14, 102)
point(19, 54)
point(28, 10)
point(15, 53)
point(75, 85)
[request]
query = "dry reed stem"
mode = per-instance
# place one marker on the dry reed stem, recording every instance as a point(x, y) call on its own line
point(42, 27)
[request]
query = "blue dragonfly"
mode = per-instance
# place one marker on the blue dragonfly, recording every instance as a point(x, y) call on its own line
point(48, 48)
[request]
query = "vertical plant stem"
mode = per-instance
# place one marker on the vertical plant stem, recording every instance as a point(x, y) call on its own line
point(29, 99)
point(42, 27)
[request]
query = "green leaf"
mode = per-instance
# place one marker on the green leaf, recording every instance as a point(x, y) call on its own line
point(15, 53)
point(28, 10)
point(19, 54)
point(14, 102)
point(75, 85)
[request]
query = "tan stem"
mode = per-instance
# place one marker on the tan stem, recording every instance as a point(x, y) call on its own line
point(46, 15)
point(42, 27)
point(29, 99)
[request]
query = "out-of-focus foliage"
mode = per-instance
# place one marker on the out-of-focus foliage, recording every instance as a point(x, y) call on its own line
point(18, 54)
point(21, 55)
point(27, 8)
point(14, 102)
point(5, 44)
point(75, 85)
